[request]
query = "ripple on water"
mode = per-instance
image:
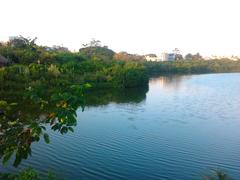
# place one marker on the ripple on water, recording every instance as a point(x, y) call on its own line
point(181, 130)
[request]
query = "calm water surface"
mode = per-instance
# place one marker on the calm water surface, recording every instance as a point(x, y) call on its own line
point(181, 128)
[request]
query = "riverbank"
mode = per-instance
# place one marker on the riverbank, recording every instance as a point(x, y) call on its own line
point(104, 74)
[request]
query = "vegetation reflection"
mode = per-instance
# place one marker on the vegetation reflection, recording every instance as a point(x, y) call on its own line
point(24, 122)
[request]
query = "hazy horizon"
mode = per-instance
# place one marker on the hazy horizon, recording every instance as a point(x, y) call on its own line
point(141, 27)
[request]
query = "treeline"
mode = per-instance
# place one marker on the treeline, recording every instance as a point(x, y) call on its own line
point(192, 67)
point(30, 64)
point(21, 50)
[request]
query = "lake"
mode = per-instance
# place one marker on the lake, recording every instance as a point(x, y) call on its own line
point(180, 127)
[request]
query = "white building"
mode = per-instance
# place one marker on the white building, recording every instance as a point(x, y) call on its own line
point(162, 57)
point(168, 57)
point(152, 58)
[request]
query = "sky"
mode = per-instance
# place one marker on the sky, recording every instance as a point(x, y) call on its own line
point(210, 27)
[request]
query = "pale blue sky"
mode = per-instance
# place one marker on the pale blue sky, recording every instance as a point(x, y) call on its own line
point(136, 26)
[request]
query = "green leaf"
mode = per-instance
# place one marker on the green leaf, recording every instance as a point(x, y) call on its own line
point(56, 126)
point(87, 85)
point(46, 138)
point(43, 127)
point(64, 130)
point(18, 159)
point(7, 156)
point(13, 104)
point(3, 103)
point(70, 129)
point(36, 138)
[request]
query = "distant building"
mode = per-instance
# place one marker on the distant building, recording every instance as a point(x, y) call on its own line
point(152, 57)
point(162, 57)
point(171, 57)
point(168, 57)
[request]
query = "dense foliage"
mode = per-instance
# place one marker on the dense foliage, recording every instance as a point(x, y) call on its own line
point(97, 73)
point(192, 66)
point(32, 53)
point(97, 53)
point(94, 64)
point(27, 174)
point(124, 56)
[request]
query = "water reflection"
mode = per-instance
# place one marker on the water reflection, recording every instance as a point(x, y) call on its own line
point(23, 121)
point(173, 82)
point(104, 97)
point(176, 131)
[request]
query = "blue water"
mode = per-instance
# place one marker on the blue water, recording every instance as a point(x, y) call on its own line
point(184, 127)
